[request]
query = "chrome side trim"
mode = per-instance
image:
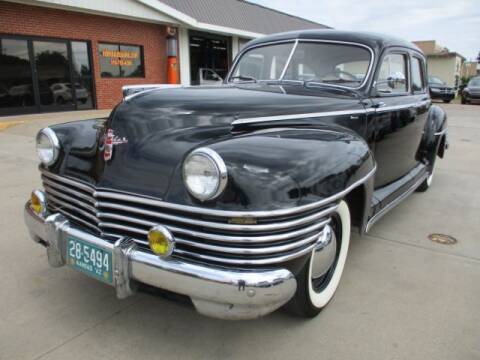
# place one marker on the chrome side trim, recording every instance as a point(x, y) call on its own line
point(298, 116)
point(139, 199)
point(380, 109)
point(395, 202)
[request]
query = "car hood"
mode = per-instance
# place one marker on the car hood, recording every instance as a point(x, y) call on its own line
point(155, 130)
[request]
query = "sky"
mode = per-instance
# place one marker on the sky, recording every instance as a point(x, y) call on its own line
point(455, 24)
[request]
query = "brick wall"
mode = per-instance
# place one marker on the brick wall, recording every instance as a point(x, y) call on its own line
point(39, 21)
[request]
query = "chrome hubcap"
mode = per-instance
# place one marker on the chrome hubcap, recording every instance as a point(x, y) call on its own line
point(325, 252)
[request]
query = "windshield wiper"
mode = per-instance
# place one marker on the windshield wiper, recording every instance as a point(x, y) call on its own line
point(244, 78)
point(314, 83)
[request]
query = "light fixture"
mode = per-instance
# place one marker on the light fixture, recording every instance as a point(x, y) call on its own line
point(161, 241)
point(204, 174)
point(48, 146)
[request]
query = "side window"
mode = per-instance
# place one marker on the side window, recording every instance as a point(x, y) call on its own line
point(392, 77)
point(418, 84)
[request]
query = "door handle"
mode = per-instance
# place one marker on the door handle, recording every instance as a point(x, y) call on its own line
point(378, 105)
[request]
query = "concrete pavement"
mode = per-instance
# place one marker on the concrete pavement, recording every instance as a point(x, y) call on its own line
point(401, 296)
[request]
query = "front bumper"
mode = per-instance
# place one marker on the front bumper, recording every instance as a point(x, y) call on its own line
point(215, 291)
point(442, 95)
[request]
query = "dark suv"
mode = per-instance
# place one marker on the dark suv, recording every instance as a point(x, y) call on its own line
point(472, 91)
point(440, 90)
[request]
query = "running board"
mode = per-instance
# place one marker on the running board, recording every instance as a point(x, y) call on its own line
point(395, 202)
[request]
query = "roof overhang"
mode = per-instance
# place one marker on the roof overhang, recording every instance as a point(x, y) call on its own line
point(193, 23)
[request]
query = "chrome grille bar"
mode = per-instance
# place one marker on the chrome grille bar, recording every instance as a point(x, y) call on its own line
point(224, 249)
point(217, 225)
point(201, 234)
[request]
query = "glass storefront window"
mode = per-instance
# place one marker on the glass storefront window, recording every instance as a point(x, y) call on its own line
point(16, 85)
point(82, 75)
point(121, 60)
point(53, 71)
point(38, 75)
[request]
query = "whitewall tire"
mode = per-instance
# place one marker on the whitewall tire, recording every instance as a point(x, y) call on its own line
point(314, 293)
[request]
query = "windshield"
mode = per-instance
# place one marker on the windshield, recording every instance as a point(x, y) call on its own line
point(325, 63)
point(474, 82)
point(435, 80)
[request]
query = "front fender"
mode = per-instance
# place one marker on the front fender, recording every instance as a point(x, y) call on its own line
point(280, 168)
point(434, 135)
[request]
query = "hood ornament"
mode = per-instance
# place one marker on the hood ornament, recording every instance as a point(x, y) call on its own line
point(111, 139)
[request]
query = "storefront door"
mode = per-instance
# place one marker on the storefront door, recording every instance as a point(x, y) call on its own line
point(209, 58)
point(44, 75)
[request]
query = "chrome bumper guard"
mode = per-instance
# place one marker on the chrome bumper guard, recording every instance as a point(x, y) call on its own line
point(215, 291)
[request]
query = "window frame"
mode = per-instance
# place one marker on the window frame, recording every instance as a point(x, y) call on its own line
point(142, 60)
point(423, 74)
point(364, 86)
point(387, 52)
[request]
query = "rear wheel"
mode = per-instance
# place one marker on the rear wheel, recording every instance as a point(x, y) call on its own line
point(464, 100)
point(320, 276)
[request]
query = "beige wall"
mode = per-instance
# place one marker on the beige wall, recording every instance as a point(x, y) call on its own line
point(446, 68)
point(428, 46)
point(470, 69)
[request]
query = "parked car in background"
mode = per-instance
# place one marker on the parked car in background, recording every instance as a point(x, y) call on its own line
point(440, 90)
point(62, 93)
point(209, 77)
point(472, 91)
point(243, 196)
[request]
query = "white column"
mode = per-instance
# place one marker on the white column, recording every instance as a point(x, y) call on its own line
point(184, 52)
point(234, 46)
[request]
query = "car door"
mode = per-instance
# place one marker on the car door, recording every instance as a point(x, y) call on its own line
point(396, 136)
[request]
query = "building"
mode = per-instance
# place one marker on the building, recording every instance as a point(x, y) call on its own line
point(77, 54)
point(442, 63)
point(470, 69)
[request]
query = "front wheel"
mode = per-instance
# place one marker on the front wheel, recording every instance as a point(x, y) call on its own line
point(320, 276)
point(447, 101)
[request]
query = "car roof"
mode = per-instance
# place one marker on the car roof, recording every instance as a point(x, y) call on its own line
point(377, 42)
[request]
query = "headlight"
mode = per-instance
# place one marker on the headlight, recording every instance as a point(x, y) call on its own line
point(204, 174)
point(48, 146)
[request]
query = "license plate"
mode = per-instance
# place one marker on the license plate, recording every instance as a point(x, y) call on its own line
point(89, 259)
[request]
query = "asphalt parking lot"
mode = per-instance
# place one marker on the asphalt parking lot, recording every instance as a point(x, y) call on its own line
point(402, 296)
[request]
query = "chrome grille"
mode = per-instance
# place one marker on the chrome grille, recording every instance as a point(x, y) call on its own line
point(203, 234)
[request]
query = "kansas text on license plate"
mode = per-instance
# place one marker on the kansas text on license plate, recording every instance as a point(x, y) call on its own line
point(89, 259)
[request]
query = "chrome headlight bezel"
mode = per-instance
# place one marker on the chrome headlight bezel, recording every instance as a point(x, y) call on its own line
point(54, 143)
point(221, 170)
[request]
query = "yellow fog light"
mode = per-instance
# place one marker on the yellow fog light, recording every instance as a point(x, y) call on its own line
point(161, 241)
point(38, 202)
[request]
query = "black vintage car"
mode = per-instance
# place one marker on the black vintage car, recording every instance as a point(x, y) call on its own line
point(242, 197)
point(472, 92)
point(440, 90)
